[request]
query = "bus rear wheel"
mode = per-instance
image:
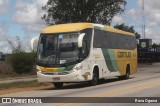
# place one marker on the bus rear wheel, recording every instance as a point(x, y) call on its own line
point(127, 75)
point(127, 72)
point(58, 85)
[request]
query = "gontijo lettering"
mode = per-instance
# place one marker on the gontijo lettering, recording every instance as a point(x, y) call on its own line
point(124, 54)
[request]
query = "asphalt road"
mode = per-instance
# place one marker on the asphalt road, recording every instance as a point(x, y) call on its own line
point(145, 83)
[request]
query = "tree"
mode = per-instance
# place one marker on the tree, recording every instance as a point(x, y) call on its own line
point(16, 46)
point(95, 11)
point(155, 45)
point(128, 29)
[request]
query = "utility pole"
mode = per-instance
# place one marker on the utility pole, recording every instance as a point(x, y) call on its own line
point(143, 20)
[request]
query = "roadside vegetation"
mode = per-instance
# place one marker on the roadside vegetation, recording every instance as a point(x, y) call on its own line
point(6, 88)
point(20, 84)
point(19, 63)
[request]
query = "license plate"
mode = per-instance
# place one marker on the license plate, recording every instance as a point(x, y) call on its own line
point(56, 78)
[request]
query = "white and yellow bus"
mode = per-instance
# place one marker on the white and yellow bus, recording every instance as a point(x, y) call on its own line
point(80, 52)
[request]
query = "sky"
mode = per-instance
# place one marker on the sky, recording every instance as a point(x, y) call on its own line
point(23, 18)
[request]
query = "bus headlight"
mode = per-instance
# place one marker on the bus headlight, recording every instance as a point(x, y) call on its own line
point(78, 66)
point(38, 69)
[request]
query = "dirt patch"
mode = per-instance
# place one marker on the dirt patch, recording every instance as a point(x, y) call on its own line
point(28, 88)
point(6, 68)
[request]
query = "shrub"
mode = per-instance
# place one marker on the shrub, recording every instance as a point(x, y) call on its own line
point(22, 62)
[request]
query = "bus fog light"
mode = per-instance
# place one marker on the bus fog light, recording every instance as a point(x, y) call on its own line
point(77, 76)
point(38, 69)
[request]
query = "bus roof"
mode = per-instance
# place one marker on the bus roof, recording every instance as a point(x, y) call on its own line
point(71, 27)
point(67, 27)
point(111, 29)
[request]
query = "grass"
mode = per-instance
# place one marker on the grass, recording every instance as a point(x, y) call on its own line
point(22, 84)
point(15, 76)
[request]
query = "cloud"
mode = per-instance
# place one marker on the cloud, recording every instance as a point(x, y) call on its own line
point(2, 34)
point(41, 2)
point(151, 11)
point(151, 33)
point(132, 12)
point(4, 46)
point(5, 37)
point(117, 20)
point(3, 6)
point(152, 24)
point(29, 15)
point(3, 2)
point(152, 18)
point(133, 16)
point(26, 13)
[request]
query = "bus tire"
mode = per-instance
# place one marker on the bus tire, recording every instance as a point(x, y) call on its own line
point(58, 85)
point(95, 78)
point(126, 76)
point(127, 72)
point(102, 80)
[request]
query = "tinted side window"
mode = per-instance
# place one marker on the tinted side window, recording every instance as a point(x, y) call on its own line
point(104, 39)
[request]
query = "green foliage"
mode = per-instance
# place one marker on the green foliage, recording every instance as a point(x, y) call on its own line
point(22, 62)
point(71, 11)
point(155, 45)
point(128, 29)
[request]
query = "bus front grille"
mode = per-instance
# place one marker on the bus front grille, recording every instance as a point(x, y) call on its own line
point(56, 73)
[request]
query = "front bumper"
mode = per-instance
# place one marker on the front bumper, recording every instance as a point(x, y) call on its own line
point(71, 77)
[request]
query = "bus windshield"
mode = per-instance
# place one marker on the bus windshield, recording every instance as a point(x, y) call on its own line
point(58, 49)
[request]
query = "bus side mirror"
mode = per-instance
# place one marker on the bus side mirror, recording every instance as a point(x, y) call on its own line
point(80, 39)
point(34, 44)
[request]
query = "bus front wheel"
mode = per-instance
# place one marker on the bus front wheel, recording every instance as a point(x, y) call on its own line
point(58, 85)
point(95, 78)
